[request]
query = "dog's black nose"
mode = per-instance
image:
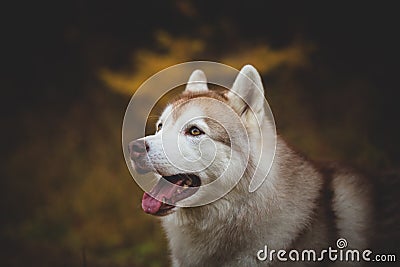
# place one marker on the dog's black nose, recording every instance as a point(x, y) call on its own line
point(137, 147)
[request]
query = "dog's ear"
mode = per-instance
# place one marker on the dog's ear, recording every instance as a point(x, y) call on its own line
point(247, 92)
point(197, 82)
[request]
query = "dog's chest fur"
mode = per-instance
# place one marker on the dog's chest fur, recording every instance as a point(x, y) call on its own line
point(298, 206)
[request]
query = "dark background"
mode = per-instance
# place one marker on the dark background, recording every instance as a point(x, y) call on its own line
point(70, 68)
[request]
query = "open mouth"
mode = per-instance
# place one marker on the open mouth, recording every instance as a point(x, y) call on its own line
point(170, 190)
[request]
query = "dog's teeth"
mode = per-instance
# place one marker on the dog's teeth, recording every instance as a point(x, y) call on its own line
point(164, 200)
point(185, 186)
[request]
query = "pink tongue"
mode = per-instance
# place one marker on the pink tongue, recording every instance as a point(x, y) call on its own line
point(150, 204)
point(162, 189)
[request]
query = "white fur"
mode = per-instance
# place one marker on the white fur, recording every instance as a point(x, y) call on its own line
point(286, 211)
point(197, 82)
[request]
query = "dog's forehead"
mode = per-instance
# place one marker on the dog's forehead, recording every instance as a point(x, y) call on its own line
point(189, 106)
point(183, 113)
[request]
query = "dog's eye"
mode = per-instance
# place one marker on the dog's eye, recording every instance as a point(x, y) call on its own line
point(195, 131)
point(159, 126)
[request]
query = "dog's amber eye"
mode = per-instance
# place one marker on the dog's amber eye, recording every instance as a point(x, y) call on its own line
point(195, 131)
point(159, 126)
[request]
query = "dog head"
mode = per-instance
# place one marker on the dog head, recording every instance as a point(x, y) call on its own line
point(201, 147)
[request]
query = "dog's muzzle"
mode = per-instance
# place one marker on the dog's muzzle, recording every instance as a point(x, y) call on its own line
point(138, 153)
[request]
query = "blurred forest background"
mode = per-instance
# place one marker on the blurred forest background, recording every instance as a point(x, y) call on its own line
point(70, 68)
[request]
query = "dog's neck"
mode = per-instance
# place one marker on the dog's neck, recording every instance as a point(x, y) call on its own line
point(236, 210)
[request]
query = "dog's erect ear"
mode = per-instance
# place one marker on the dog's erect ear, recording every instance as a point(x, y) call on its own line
point(247, 91)
point(197, 82)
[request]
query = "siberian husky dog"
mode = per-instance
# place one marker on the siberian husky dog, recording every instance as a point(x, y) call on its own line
point(218, 136)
